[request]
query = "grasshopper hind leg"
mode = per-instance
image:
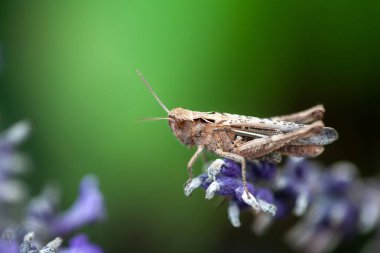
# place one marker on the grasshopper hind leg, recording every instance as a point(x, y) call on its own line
point(305, 117)
point(260, 147)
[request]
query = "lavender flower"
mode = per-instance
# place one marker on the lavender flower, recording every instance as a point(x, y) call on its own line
point(344, 206)
point(88, 209)
point(35, 229)
point(334, 204)
point(223, 177)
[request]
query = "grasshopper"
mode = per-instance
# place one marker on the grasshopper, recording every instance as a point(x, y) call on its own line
point(242, 138)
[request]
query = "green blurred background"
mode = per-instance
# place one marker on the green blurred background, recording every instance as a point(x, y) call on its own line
point(69, 66)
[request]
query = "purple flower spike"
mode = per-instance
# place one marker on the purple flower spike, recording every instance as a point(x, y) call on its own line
point(80, 244)
point(88, 208)
point(34, 230)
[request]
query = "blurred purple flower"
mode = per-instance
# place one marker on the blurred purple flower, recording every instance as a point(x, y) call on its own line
point(344, 206)
point(9, 246)
point(263, 170)
point(334, 205)
point(42, 220)
point(88, 208)
point(223, 177)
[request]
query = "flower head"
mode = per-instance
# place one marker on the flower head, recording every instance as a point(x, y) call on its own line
point(333, 204)
point(88, 208)
point(43, 225)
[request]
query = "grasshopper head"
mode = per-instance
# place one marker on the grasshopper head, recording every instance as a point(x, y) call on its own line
point(181, 122)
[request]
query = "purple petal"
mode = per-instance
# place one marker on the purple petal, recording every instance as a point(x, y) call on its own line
point(264, 194)
point(264, 170)
point(88, 208)
point(297, 169)
point(8, 246)
point(228, 185)
point(231, 169)
point(340, 178)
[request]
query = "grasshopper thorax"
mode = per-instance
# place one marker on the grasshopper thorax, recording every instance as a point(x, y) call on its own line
point(180, 114)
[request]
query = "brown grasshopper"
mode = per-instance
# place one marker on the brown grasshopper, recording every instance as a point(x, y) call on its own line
point(242, 138)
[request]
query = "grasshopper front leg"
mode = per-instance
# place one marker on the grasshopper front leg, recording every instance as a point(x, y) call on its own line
point(304, 117)
point(192, 161)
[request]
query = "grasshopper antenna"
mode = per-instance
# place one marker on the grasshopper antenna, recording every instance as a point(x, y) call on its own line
point(156, 118)
point(151, 91)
